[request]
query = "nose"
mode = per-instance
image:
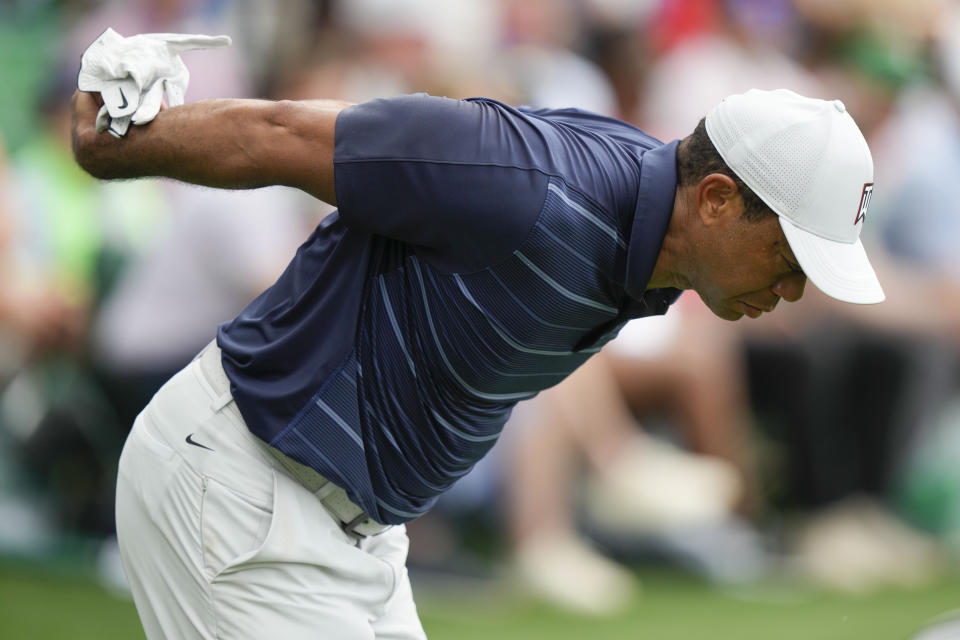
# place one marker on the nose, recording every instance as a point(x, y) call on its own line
point(790, 286)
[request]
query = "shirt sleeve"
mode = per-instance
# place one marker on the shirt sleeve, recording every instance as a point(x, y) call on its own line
point(462, 179)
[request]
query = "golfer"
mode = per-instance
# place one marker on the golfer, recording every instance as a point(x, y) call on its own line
point(480, 253)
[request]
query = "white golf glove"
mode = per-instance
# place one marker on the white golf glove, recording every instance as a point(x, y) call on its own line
point(133, 74)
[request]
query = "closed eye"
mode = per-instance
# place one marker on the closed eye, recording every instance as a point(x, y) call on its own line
point(795, 268)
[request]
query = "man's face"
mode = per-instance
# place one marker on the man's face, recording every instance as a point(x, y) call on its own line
point(746, 267)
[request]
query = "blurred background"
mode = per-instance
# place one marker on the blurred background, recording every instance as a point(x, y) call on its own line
point(795, 476)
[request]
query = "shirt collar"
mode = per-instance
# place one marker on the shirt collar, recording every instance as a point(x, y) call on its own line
point(658, 185)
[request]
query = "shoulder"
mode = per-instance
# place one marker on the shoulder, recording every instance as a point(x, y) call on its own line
point(599, 156)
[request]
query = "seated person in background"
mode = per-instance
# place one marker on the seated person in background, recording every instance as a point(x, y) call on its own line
point(636, 485)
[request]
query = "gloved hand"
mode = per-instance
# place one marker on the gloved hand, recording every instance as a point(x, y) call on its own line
point(133, 74)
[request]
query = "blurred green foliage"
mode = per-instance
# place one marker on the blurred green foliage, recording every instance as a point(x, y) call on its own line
point(30, 39)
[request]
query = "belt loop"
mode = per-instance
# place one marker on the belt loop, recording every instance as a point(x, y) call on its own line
point(348, 527)
point(221, 401)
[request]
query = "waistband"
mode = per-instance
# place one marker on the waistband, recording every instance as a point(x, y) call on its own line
point(352, 518)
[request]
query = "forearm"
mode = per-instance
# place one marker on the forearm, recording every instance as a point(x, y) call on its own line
point(231, 144)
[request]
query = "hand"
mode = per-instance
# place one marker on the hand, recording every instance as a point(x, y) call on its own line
point(84, 136)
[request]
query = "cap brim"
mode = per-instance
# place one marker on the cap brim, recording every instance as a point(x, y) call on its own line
point(839, 269)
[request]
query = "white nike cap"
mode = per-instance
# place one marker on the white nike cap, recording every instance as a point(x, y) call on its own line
point(807, 160)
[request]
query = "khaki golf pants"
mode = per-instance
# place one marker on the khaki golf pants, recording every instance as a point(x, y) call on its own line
point(219, 541)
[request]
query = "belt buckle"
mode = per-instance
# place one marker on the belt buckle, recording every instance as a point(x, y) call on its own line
point(349, 528)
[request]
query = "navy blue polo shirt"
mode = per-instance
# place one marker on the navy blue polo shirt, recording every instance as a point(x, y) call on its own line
point(480, 254)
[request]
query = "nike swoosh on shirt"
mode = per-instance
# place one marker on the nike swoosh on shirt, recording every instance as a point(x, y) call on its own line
point(122, 97)
point(190, 440)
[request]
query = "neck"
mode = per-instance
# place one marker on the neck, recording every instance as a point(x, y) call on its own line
point(669, 270)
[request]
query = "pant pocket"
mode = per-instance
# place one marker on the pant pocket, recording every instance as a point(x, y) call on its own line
point(233, 525)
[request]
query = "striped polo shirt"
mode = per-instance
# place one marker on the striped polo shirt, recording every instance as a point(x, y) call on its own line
point(480, 254)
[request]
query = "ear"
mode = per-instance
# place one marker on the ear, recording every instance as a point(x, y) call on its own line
point(718, 199)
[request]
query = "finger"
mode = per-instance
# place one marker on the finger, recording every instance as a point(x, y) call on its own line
point(84, 116)
point(149, 104)
point(86, 96)
point(79, 106)
point(86, 102)
point(179, 43)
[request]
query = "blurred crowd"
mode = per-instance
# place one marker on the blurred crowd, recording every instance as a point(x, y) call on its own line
point(819, 442)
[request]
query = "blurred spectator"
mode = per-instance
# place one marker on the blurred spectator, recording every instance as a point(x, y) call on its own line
point(744, 44)
point(402, 46)
point(218, 251)
point(573, 465)
point(842, 394)
point(540, 57)
point(33, 317)
point(671, 374)
point(55, 221)
point(917, 223)
point(636, 486)
point(70, 236)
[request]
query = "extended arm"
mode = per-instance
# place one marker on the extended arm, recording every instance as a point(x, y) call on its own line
point(230, 144)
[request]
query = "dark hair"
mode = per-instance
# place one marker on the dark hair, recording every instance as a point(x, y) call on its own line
point(697, 158)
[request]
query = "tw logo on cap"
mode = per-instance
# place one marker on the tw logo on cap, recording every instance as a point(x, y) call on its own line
point(864, 203)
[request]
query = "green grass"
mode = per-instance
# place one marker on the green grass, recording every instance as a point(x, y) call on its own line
point(47, 603)
point(43, 604)
point(675, 608)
